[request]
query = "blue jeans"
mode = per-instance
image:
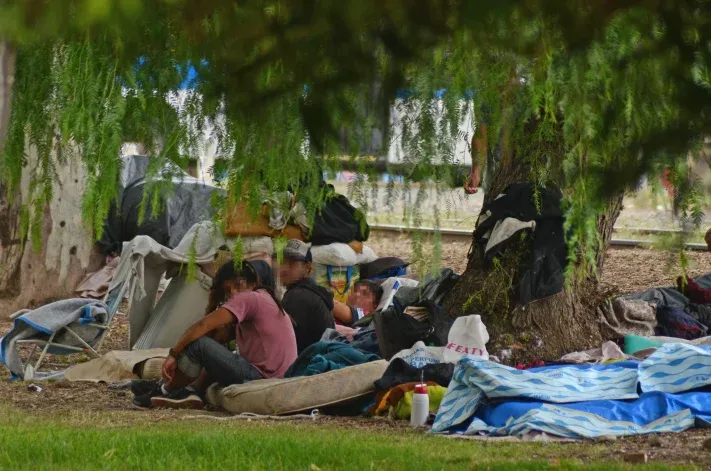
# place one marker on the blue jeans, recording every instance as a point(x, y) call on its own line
point(221, 365)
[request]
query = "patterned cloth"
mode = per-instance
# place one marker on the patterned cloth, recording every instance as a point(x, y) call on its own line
point(675, 368)
point(580, 401)
point(620, 317)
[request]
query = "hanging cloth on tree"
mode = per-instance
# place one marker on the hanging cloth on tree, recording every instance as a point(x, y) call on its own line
point(516, 211)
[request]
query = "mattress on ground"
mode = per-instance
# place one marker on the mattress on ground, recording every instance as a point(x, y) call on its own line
point(287, 396)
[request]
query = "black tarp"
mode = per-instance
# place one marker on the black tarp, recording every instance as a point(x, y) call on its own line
point(339, 221)
point(187, 203)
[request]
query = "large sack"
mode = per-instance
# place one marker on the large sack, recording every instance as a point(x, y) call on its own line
point(339, 221)
point(341, 255)
point(420, 355)
point(287, 396)
point(336, 254)
point(467, 336)
point(240, 222)
point(366, 256)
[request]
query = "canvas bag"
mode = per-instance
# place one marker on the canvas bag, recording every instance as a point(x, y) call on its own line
point(468, 336)
point(420, 355)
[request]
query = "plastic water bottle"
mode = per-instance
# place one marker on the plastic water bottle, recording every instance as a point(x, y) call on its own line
point(420, 406)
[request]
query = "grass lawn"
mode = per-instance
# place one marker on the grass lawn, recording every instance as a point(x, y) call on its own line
point(134, 440)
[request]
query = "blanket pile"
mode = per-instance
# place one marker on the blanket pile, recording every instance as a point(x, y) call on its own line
point(667, 392)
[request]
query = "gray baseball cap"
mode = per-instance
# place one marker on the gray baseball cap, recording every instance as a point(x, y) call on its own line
point(298, 251)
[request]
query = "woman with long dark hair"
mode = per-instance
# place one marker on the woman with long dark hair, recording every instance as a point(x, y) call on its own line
point(243, 306)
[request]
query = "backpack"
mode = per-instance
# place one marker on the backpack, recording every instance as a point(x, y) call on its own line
point(397, 331)
point(339, 221)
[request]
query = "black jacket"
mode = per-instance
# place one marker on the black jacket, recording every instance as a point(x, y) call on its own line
point(311, 307)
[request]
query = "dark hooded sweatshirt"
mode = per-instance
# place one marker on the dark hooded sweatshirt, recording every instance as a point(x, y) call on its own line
point(311, 307)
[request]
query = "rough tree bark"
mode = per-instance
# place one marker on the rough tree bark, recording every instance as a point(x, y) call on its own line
point(28, 277)
point(545, 329)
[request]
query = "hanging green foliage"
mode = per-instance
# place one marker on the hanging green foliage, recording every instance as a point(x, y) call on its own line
point(588, 96)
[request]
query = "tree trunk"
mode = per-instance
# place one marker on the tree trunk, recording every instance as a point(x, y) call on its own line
point(544, 329)
point(30, 278)
point(27, 277)
point(7, 79)
point(10, 244)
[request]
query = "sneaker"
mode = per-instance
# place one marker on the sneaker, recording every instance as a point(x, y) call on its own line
point(180, 399)
point(143, 391)
point(143, 402)
point(141, 387)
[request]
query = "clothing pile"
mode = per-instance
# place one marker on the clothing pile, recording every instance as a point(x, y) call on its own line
point(683, 312)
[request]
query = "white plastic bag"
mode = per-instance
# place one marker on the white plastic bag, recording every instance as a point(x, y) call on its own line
point(367, 256)
point(420, 355)
point(468, 336)
point(390, 287)
point(336, 254)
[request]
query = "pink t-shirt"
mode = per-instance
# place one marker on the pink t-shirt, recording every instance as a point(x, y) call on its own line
point(265, 335)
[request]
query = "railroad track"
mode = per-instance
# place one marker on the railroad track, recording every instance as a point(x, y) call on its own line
point(466, 234)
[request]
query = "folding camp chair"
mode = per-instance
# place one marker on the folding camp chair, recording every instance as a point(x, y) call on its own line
point(53, 345)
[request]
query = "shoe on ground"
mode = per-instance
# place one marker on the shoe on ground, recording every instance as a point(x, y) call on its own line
point(142, 387)
point(143, 391)
point(181, 399)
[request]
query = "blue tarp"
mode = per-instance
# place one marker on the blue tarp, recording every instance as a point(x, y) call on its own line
point(668, 392)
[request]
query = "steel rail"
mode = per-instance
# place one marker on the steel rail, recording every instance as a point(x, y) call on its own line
point(466, 234)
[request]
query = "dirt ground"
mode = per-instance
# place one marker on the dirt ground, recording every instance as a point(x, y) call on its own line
point(626, 271)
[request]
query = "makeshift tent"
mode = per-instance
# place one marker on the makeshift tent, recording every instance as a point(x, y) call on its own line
point(187, 203)
point(144, 261)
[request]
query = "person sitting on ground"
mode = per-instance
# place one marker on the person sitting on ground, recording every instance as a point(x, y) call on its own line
point(241, 306)
point(363, 300)
point(309, 304)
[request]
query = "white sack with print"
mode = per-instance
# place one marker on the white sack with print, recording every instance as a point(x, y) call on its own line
point(468, 336)
point(420, 355)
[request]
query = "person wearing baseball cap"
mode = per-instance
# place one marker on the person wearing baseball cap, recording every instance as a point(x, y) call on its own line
point(308, 304)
